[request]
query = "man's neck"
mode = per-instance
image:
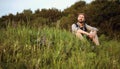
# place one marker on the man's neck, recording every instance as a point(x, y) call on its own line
point(81, 24)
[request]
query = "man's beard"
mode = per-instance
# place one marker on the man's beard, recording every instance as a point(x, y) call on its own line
point(80, 21)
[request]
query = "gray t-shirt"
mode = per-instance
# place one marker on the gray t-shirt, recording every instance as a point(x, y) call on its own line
point(77, 27)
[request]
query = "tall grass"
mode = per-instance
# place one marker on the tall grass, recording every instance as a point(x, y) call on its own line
point(51, 48)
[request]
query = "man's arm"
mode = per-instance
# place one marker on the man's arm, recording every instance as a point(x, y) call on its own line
point(77, 30)
point(83, 32)
point(90, 28)
point(74, 28)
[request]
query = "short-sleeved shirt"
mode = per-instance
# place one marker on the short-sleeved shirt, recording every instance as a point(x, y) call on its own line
point(86, 27)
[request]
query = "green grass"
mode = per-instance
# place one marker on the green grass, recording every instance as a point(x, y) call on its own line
point(51, 48)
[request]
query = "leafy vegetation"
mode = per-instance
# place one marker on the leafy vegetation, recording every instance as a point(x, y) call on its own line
point(101, 14)
point(43, 48)
point(42, 40)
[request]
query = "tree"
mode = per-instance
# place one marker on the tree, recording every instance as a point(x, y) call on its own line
point(28, 15)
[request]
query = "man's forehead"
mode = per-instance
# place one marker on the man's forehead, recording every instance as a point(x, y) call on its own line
point(80, 15)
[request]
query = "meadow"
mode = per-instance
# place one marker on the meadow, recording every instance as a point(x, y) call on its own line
point(25, 47)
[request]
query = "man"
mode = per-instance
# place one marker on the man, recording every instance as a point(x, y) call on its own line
point(81, 28)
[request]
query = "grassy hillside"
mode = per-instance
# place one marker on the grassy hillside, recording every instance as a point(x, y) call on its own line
point(51, 48)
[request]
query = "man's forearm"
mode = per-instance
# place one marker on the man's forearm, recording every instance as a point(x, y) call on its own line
point(83, 32)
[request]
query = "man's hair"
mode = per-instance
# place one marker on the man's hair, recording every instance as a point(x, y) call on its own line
point(81, 14)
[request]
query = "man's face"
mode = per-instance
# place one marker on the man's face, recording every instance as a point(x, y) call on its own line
point(81, 18)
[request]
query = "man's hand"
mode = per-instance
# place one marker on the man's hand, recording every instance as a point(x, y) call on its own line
point(92, 34)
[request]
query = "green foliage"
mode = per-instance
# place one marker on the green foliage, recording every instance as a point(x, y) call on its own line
point(100, 13)
point(66, 22)
point(52, 15)
point(27, 47)
point(75, 8)
point(40, 21)
point(40, 17)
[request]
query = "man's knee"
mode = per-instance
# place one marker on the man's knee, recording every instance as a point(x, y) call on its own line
point(79, 35)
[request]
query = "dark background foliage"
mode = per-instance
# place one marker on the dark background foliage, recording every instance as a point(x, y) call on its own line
point(102, 14)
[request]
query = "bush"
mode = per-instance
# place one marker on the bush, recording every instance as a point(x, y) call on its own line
point(41, 48)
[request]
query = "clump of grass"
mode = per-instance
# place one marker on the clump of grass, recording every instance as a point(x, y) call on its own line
point(42, 48)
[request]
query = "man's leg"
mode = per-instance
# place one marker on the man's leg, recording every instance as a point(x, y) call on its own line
point(79, 35)
point(95, 38)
